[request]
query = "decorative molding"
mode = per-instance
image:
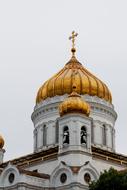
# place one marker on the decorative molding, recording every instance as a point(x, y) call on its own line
point(33, 158)
point(50, 107)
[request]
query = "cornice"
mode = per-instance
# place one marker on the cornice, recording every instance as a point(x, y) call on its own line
point(49, 107)
point(109, 156)
point(33, 158)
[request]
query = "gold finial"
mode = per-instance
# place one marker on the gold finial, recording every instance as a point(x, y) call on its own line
point(72, 37)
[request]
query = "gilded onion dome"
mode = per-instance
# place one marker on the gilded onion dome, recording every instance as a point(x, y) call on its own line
point(74, 104)
point(73, 74)
point(1, 142)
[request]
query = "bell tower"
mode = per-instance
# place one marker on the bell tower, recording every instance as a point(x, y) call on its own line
point(74, 129)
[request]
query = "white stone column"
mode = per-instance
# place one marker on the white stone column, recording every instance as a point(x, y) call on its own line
point(74, 133)
point(88, 141)
point(97, 134)
point(109, 136)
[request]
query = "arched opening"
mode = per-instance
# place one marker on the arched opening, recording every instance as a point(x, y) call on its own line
point(66, 135)
point(112, 138)
point(104, 134)
point(44, 135)
point(57, 132)
point(83, 136)
point(35, 139)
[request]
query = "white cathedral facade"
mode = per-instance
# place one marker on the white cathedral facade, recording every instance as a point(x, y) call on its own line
point(74, 134)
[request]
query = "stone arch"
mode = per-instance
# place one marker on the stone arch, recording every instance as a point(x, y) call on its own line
point(4, 179)
point(94, 174)
point(56, 174)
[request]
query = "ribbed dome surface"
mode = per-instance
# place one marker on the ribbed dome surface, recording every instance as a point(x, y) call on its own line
point(74, 104)
point(73, 75)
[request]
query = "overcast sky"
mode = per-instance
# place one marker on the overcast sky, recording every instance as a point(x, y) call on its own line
point(34, 45)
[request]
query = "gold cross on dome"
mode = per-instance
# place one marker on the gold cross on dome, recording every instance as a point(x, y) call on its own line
point(72, 37)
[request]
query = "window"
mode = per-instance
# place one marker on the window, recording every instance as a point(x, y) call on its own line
point(66, 135)
point(63, 178)
point(11, 178)
point(83, 136)
point(87, 178)
point(104, 134)
point(36, 138)
point(112, 136)
point(44, 135)
point(57, 132)
point(92, 132)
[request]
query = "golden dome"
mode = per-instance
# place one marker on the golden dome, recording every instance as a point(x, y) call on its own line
point(1, 142)
point(74, 103)
point(73, 74)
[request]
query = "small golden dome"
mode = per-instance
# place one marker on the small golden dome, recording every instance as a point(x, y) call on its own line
point(1, 142)
point(73, 74)
point(73, 104)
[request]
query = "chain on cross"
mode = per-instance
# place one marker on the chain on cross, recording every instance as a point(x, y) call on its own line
point(72, 37)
